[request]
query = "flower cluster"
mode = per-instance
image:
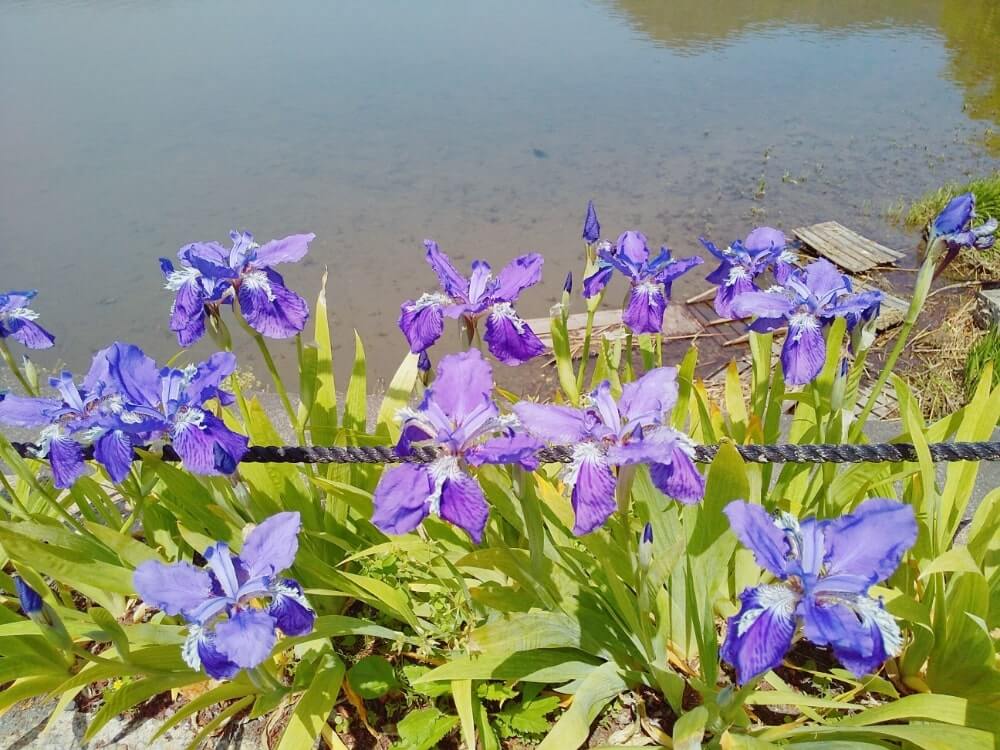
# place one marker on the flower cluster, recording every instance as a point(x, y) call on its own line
point(810, 299)
point(459, 416)
point(210, 276)
point(509, 338)
point(608, 434)
point(127, 401)
point(825, 569)
point(235, 607)
point(17, 321)
point(650, 278)
point(742, 263)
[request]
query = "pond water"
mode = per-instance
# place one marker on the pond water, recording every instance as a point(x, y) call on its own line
point(128, 129)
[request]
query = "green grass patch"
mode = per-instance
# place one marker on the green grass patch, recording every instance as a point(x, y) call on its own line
point(983, 352)
point(924, 209)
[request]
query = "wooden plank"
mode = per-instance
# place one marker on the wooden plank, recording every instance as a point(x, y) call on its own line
point(677, 321)
point(851, 243)
point(846, 248)
point(886, 405)
point(893, 309)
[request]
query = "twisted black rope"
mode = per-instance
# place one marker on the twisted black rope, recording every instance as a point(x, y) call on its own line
point(844, 453)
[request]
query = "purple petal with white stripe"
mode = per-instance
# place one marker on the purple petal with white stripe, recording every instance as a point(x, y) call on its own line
point(271, 308)
point(646, 306)
point(759, 636)
point(463, 504)
point(509, 338)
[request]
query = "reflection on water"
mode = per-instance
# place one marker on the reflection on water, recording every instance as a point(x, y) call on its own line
point(971, 31)
point(129, 128)
point(692, 24)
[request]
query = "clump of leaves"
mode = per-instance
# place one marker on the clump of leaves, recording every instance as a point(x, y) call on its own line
point(527, 717)
point(423, 729)
point(372, 677)
point(983, 352)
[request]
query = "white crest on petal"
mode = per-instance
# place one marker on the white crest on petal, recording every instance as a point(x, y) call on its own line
point(189, 651)
point(188, 418)
point(258, 280)
point(802, 322)
point(582, 452)
point(281, 588)
point(736, 274)
point(19, 313)
point(181, 276)
point(441, 470)
point(505, 311)
point(507, 421)
point(430, 299)
point(780, 599)
point(872, 612)
point(649, 287)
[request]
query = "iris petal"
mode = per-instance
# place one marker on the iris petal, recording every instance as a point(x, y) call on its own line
point(463, 504)
point(509, 338)
point(402, 498)
point(247, 638)
point(759, 636)
point(172, 588)
point(593, 489)
point(271, 546)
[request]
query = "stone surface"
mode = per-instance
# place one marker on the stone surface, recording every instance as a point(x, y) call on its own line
point(987, 311)
point(21, 729)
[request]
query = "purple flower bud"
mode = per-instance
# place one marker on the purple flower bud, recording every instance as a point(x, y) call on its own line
point(424, 362)
point(31, 602)
point(568, 284)
point(591, 226)
point(646, 547)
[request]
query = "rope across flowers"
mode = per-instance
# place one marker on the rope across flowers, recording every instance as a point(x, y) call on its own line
point(815, 453)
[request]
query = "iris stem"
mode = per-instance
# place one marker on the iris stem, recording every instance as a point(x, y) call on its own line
point(226, 341)
point(138, 498)
point(272, 368)
point(278, 384)
point(585, 351)
point(8, 357)
point(920, 292)
point(629, 371)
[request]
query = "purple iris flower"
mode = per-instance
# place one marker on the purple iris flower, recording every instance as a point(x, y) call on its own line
point(210, 276)
point(127, 401)
point(457, 415)
point(807, 303)
point(742, 262)
point(651, 279)
point(235, 607)
point(825, 569)
point(65, 421)
point(605, 434)
point(17, 320)
point(508, 336)
point(954, 227)
point(170, 404)
point(591, 226)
